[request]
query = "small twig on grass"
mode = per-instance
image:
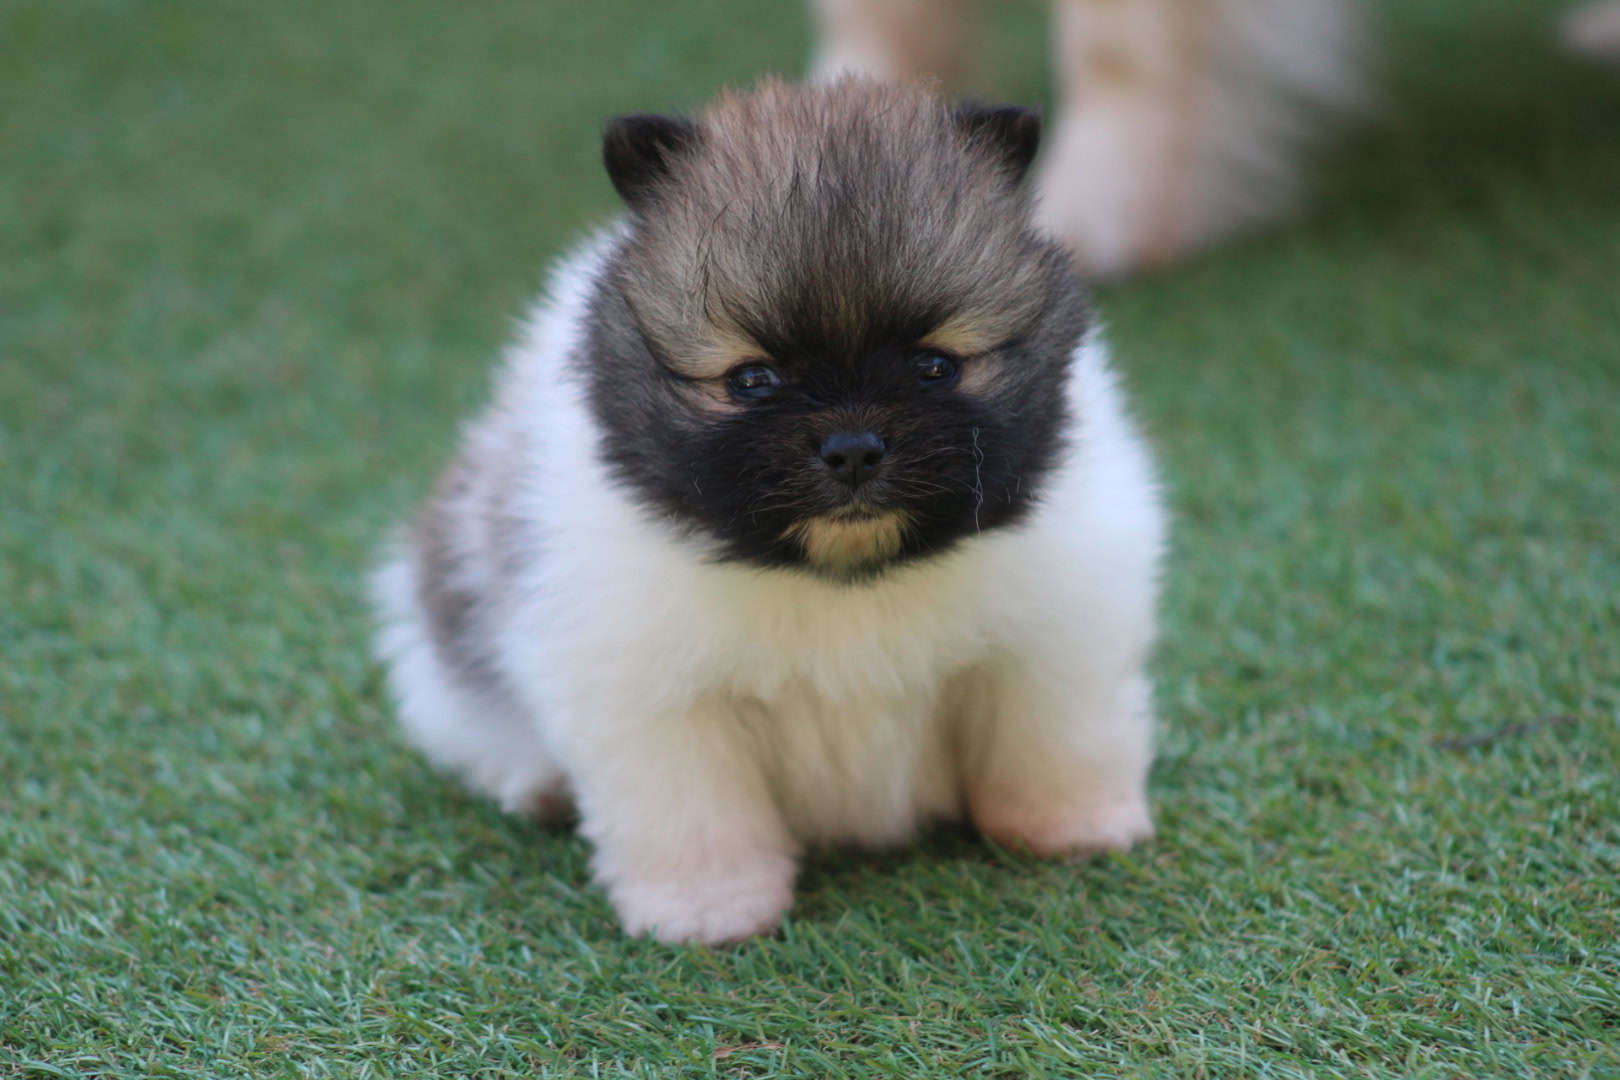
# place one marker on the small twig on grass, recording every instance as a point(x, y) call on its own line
point(1509, 731)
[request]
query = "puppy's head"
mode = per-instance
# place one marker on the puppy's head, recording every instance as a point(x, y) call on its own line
point(831, 338)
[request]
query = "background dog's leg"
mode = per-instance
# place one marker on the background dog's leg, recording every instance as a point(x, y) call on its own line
point(1181, 119)
point(890, 39)
point(1595, 29)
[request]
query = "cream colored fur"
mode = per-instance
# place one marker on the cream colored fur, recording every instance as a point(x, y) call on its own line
point(712, 720)
point(1595, 29)
point(910, 40)
point(1180, 120)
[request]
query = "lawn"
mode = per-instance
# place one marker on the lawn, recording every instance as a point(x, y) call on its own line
point(255, 262)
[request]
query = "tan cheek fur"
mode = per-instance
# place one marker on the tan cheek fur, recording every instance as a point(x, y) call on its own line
point(718, 352)
point(710, 397)
point(829, 542)
point(979, 374)
point(973, 340)
point(967, 335)
point(705, 366)
point(972, 337)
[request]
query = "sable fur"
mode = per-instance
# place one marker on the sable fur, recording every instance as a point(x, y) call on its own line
point(831, 232)
point(636, 593)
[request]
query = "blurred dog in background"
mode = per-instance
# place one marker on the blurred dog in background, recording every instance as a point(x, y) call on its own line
point(1179, 121)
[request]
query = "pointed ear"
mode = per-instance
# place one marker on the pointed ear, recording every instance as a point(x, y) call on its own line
point(639, 150)
point(1011, 132)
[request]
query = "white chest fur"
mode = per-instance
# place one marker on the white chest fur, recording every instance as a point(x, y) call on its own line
point(710, 719)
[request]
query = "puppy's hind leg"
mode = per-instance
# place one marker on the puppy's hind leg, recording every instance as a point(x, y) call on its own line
point(475, 731)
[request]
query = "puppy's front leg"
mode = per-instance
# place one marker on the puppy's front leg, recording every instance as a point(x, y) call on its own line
point(1057, 755)
point(689, 843)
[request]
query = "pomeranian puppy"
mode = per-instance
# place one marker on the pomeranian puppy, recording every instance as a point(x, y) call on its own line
point(807, 511)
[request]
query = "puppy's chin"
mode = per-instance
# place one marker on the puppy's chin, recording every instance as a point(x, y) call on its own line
point(850, 544)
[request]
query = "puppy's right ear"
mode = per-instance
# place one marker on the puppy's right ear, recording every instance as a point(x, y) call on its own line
point(1011, 133)
point(639, 151)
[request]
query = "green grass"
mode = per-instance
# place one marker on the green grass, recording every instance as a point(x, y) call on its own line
point(255, 261)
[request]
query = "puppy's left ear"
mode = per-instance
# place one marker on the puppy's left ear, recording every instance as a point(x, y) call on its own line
point(1010, 132)
point(639, 151)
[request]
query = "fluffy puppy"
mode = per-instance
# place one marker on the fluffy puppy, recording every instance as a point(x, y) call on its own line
point(806, 512)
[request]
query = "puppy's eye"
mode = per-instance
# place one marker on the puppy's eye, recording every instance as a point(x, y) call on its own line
point(753, 381)
point(935, 368)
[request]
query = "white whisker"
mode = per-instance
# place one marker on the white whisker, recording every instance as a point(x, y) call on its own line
point(978, 480)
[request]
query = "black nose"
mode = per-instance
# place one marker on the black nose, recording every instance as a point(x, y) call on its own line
point(853, 456)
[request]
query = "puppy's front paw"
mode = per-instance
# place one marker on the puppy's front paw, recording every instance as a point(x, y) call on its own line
point(707, 910)
point(1076, 829)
